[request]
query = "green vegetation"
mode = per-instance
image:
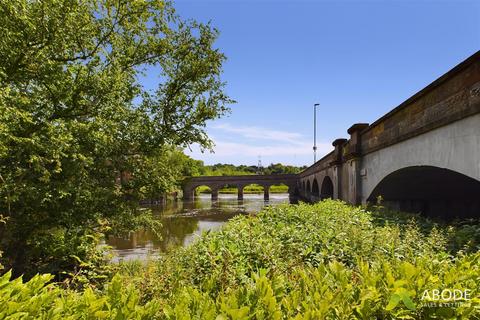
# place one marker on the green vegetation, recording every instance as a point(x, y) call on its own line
point(281, 188)
point(322, 261)
point(220, 169)
point(81, 140)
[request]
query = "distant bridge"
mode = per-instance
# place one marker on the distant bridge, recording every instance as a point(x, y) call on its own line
point(240, 182)
point(423, 156)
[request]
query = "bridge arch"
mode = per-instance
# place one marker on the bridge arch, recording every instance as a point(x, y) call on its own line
point(202, 188)
point(454, 147)
point(281, 186)
point(430, 190)
point(309, 189)
point(327, 188)
point(258, 188)
point(253, 186)
point(315, 189)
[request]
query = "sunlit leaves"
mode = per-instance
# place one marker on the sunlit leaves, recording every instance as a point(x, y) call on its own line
point(192, 283)
point(81, 140)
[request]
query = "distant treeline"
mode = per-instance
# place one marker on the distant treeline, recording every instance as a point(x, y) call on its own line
point(221, 169)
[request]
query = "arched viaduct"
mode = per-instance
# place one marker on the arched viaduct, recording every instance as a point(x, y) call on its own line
point(240, 182)
point(422, 156)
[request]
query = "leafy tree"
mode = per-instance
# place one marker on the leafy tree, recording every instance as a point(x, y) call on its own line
point(81, 141)
point(220, 169)
point(279, 168)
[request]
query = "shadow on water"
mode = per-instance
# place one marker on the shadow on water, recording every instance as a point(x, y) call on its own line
point(183, 222)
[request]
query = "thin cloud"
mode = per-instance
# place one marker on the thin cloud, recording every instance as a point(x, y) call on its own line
point(234, 150)
point(223, 148)
point(244, 145)
point(260, 133)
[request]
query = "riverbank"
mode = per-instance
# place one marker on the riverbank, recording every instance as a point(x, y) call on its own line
point(327, 260)
point(184, 221)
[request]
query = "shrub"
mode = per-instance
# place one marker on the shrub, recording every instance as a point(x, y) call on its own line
point(322, 261)
point(37, 299)
point(327, 260)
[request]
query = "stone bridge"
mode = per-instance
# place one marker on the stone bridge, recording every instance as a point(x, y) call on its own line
point(422, 156)
point(240, 182)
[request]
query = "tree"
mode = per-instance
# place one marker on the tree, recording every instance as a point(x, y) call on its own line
point(279, 168)
point(81, 141)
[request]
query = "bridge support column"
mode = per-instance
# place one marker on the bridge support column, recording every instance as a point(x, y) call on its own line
point(214, 194)
point(354, 157)
point(266, 193)
point(240, 193)
point(188, 194)
point(353, 191)
point(337, 165)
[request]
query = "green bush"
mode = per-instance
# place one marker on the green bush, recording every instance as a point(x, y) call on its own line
point(322, 261)
point(37, 299)
point(282, 237)
point(330, 260)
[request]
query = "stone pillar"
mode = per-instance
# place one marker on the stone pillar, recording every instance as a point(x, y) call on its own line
point(353, 157)
point(214, 194)
point(293, 191)
point(337, 165)
point(133, 239)
point(188, 194)
point(266, 192)
point(354, 192)
point(240, 192)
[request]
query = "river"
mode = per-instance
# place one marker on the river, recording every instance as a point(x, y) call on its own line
point(183, 222)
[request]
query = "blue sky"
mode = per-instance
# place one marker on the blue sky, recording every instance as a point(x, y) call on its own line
point(358, 59)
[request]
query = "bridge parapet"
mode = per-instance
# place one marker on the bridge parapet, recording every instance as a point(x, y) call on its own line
point(320, 165)
point(452, 97)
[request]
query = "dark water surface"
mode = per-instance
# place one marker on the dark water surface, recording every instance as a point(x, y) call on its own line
point(183, 222)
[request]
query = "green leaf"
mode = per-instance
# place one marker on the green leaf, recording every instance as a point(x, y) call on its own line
point(393, 302)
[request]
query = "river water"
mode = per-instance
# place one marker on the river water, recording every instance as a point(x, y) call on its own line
point(184, 221)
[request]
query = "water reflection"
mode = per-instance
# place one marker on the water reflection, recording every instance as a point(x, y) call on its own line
point(183, 222)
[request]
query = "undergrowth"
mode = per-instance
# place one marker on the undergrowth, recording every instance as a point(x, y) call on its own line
point(322, 261)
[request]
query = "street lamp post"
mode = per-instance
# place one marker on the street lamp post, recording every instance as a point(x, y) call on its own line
point(315, 132)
